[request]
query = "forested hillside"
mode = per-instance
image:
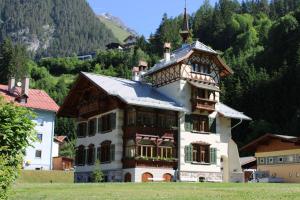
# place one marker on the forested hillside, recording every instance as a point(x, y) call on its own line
point(259, 40)
point(53, 27)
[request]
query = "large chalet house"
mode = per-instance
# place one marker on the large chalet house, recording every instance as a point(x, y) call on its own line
point(165, 124)
point(39, 155)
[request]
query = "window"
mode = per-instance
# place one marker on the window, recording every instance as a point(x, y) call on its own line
point(92, 127)
point(91, 155)
point(147, 151)
point(81, 129)
point(131, 117)
point(130, 149)
point(270, 160)
point(40, 122)
point(280, 160)
point(200, 68)
point(107, 122)
point(107, 152)
point(80, 156)
point(166, 152)
point(200, 123)
point(146, 119)
point(200, 153)
point(261, 160)
point(38, 153)
point(40, 137)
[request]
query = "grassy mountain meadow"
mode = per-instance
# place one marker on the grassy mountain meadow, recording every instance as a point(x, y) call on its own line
point(258, 39)
point(120, 31)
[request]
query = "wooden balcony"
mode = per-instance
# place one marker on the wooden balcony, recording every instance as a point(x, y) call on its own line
point(149, 162)
point(203, 105)
point(132, 131)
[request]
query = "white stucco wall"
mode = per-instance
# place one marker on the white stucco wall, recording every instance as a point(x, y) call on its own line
point(45, 125)
point(55, 149)
point(136, 173)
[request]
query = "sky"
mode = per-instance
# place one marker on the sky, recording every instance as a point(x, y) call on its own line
point(144, 16)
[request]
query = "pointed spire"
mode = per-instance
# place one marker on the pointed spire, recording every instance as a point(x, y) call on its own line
point(185, 31)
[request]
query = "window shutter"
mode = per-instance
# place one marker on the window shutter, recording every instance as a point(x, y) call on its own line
point(212, 125)
point(98, 154)
point(188, 153)
point(99, 125)
point(188, 123)
point(84, 159)
point(112, 152)
point(213, 155)
point(93, 158)
point(112, 121)
point(76, 157)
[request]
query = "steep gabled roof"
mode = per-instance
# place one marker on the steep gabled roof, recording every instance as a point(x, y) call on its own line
point(37, 99)
point(183, 52)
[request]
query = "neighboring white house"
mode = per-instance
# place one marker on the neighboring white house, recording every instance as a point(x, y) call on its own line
point(39, 155)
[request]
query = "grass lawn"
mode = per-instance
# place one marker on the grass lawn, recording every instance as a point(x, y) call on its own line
point(132, 191)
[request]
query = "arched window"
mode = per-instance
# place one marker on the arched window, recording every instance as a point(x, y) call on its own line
point(81, 129)
point(130, 149)
point(167, 177)
point(107, 152)
point(91, 154)
point(147, 177)
point(80, 156)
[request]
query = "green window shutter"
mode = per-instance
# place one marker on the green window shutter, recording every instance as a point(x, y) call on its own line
point(213, 155)
point(99, 125)
point(188, 153)
point(112, 152)
point(112, 121)
point(99, 153)
point(212, 125)
point(188, 123)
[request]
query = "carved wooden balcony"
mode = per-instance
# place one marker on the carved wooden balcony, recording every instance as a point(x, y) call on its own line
point(149, 162)
point(132, 131)
point(203, 104)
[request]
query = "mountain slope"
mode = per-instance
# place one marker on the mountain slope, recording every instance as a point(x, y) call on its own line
point(119, 29)
point(53, 27)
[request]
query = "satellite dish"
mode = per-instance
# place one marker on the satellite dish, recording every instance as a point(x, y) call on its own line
point(19, 84)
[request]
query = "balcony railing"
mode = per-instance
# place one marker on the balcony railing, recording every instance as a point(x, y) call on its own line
point(131, 131)
point(149, 162)
point(203, 104)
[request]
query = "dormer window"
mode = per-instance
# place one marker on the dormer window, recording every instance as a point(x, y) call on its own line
point(200, 68)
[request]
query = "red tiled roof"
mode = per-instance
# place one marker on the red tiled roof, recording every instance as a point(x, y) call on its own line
point(37, 99)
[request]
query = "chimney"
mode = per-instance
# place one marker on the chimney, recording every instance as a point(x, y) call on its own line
point(11, 84)
point(140, 70)
point(167, 51)
point(25, 86)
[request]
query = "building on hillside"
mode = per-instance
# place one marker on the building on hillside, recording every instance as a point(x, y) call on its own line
point(130, 41)
point(114, 45)
point(39, 155)
point(277, 155)
point(165, 124)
